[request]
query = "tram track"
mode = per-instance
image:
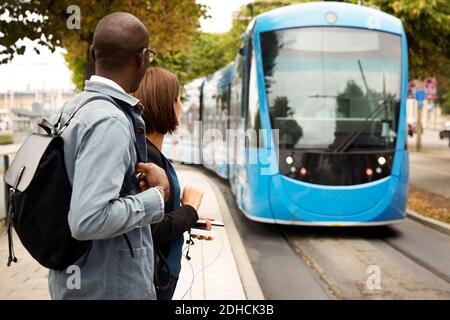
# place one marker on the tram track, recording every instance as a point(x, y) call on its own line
point(442, 269)
point(314, 267)
point(414, 257)
point(422, 263)
point(404, 273)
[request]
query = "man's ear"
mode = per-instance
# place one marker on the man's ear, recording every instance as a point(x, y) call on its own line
point(92, 52)
point(141, 59)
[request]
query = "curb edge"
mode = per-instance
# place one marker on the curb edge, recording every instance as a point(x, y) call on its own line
point(429, 222)
point(247, 274)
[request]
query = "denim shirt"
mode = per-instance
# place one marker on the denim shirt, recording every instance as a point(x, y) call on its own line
point(100, 158)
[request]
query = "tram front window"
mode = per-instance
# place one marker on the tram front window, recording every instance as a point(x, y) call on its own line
point(333, 89)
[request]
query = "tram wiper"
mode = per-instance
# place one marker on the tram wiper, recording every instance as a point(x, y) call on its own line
point(382, 104)
point(328, 96)
point(313, 150)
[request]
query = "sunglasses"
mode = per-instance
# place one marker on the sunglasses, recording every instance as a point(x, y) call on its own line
point(151, 54)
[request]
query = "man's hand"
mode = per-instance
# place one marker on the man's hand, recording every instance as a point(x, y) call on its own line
point(152, 176)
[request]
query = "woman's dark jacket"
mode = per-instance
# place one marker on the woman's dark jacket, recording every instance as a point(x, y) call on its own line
point(168, 234)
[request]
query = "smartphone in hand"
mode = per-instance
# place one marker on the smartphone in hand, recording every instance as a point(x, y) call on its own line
point(202, 223)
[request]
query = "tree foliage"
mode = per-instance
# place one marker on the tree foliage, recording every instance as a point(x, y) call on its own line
point(427, 26)
point(206, 55)
point(172, 25)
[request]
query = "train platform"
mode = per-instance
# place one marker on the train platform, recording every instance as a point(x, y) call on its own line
point(218, 269)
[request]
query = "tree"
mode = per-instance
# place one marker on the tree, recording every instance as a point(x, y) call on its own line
point(172, 25)
point(427, 26)
point(443, 100)
point(243, 17)
point(206, 55)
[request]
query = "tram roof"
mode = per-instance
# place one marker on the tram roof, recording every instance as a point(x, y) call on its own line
point(222, 77)
point(314, 14)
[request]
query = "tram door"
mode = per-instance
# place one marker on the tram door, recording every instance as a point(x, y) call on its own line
point(223, 111)
point(246, 144)
point(234, 122)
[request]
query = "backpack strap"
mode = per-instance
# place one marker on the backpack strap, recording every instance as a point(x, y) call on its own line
point(57, 129)
point(10, 216)
point(60, 129)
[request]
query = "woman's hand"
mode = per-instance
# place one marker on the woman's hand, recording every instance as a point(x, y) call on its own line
point(206, 227)
point(192, 196)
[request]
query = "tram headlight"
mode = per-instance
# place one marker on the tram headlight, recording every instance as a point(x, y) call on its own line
point(289, 160)
point(303, 171)
point(382, 160)
point(369, 172)
point(331, 17)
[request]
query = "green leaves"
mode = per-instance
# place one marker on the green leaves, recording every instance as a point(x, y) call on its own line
point(172, 25)
point(427, 26)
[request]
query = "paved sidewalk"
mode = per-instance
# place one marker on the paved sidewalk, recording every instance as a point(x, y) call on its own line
point(24, 280)
point(210, 274)
point(213, 264)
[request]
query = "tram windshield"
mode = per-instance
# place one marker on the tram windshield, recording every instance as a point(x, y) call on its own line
point(333, 89)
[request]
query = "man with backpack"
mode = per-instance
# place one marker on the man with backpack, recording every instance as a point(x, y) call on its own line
point(102, 146)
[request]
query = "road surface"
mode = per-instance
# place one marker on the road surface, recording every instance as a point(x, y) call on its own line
point(430, 169)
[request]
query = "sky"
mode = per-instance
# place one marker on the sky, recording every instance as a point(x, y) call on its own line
point(36, 72)
point(48, 71)
point(221, 12)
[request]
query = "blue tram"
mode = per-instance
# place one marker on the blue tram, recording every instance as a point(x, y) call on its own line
point(308, 122)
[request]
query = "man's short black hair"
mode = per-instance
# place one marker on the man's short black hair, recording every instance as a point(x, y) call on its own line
point(117, 38)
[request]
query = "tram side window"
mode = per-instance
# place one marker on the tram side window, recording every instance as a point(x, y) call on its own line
point(237, 88)
point(224, 109)
point(246, 59)
point(253, 121)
